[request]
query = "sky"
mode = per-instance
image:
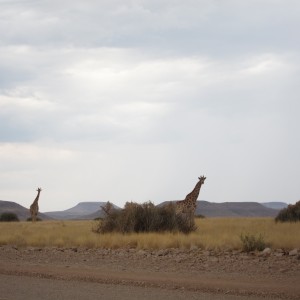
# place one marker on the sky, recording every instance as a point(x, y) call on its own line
point(118, 100)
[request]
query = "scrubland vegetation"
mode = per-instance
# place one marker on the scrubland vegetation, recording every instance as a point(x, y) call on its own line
point(289, 214)
point(211, 233)
point(8, 217)
point(145, 217)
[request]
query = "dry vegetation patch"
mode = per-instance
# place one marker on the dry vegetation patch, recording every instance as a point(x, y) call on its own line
point(212, 233)
point(146, 217)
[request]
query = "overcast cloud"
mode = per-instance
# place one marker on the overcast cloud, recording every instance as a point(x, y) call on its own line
point(133, 100)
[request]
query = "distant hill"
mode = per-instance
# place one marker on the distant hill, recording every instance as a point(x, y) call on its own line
point(92, 210)
point(83, 210)
point(22, 212)
point(275, 205)
point(233, 209)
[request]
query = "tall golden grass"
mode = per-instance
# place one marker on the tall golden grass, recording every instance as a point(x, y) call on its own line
point(212, 233)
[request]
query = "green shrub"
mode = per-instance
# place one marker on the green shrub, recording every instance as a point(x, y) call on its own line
point(251, 242)
point(9, 217)
point(144, 217)
point(289, 214)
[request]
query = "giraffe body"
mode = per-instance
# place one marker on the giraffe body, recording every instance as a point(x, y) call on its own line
point(189, 204)
point(34, 207)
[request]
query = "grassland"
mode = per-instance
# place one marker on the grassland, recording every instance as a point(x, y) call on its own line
point(212, 233)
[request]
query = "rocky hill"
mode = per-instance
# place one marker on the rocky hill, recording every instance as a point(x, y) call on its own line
point(22, 212)
point(233, 209)
point(83, 210)
point(275, 205)
point(92, 210)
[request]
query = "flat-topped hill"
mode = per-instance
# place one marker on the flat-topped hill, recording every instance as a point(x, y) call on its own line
point(91, 210)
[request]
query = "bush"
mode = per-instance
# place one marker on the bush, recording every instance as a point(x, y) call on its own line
point(200, 217)
point(289, 214)
point(9, 217)
point(251, 243)
point(144, 218)
point(30, 219)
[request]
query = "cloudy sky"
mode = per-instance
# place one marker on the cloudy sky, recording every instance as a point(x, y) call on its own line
point(116, 100)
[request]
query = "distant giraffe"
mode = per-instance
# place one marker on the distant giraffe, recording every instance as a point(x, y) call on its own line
point(34, 207)
point(187, 206)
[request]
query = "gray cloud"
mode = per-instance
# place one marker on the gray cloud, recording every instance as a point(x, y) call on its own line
point(210, 27)
point(135, 100)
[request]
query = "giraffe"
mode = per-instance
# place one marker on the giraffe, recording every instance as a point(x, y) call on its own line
point(34, 207)
point(187, 206)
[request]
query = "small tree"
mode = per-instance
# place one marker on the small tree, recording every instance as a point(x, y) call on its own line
point(289, 214)
point(9, 217)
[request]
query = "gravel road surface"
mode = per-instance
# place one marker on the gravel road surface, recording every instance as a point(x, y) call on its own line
point(75, 273)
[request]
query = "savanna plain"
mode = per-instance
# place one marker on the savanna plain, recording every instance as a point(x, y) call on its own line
point(246, 258)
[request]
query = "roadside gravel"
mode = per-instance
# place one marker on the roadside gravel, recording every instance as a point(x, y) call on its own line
point(273, 274)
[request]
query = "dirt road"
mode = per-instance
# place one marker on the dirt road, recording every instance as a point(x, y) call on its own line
point(137, 274)
point(24, 287)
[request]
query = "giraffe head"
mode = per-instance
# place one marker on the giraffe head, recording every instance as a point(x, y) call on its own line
point(202, 179)
point(39, 189)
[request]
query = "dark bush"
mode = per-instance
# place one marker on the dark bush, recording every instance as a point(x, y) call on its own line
point(9, 217)
point(200, 217)
point(30, 219)
point(144, 217)
point(289, 214)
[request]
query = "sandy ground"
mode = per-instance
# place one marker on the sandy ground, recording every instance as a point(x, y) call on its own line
point(134, 274)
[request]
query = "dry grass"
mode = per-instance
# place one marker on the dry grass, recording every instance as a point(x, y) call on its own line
point(213, 233)
point(48, 233)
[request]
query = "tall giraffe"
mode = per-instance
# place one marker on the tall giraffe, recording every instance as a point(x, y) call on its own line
point(34, 207)
point(189, 204)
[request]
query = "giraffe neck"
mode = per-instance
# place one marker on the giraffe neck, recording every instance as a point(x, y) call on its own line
point(193, 195)
point(37, 198)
